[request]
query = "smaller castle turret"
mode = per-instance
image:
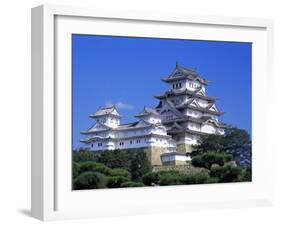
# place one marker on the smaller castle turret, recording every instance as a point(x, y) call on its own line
point(108, 116)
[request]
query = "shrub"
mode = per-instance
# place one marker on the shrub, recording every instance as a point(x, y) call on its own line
point(119, 172)
point(82, 156)
point(150, 178)
point(227, 173)
point(197, 178)
point(90, 180)
point(246, 175)
point(131, 184)
point(206, 160)
point(139, 164)
point(236, 142)
point(170, 178)
point(75, 169)
point(116, 181)
point(94, 167)
point(115, 159)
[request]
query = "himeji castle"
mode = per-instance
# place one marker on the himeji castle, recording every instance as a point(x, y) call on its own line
point(186, 110)
point(166, 132)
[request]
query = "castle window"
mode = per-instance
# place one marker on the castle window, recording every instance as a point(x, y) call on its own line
point(169, 117)
point(92, 145)
point(121, 143)
point(131, 142)
point(99, 144)
point(138, 141)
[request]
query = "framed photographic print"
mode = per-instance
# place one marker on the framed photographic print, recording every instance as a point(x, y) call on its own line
point(137, 112)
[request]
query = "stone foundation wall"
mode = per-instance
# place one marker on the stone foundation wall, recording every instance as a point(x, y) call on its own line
point(184, 148)
point(153, 155)
point(187, 168)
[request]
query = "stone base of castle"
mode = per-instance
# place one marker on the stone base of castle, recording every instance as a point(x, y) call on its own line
point(184, 148)
point(154, 155)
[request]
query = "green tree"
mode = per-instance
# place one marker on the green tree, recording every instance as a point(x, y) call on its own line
point(139, 165)
point(150, 178)
point(170, 178)
point(94, 167)
point(90, 180)
point(235, 142)
point(115, 159)
point(210, 142)
point(236, 137)
point(119, 172)
point(75, 169)
point(246, 175)
point(82, 155)
point(131, 184)
point(206, 160)
point(198, 178)
point(116, 181)
point(226, 173)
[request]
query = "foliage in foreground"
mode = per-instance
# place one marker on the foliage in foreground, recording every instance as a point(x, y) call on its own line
point(112, 169)
point(235, 142)
point(220, 168)
point(90, 180)
point(224, 158)
point(206, 160)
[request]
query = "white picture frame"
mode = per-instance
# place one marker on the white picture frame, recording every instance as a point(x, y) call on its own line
point(52, 197)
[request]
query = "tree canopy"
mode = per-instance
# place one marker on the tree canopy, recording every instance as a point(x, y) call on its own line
point(236, 142)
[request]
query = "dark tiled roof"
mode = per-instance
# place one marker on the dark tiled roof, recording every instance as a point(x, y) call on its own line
point(172, 93)
point(106, 111)
point(148, 111)
point(181, 72)
point(206, 110)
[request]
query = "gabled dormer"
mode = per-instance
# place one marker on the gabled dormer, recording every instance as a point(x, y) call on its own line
point(212, 107)
point(185, 78)
point(150, 115)
point(108, 116)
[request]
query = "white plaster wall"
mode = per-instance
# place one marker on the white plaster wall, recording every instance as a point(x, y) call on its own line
point(202, 103)
point(132, 142)
point(177, 100)
point(195, 114)
point(188, 139)
point(109, 121)
point(220, 131)
point(169, 158)
point(186, 84)
point(160, 142)
point(215, 117)
point(159, 131)
point(194, 126)
point(152, 119)
point(208, 128)
point(191, 85)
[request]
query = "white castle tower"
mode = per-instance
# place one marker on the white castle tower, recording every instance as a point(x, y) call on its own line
point(186, 110)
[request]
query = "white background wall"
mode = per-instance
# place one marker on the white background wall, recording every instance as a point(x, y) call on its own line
point(15, 112)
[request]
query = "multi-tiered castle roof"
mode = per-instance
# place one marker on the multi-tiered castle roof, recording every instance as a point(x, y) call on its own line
point(186, 109)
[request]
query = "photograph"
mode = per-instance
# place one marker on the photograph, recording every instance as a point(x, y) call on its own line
point(150, 112)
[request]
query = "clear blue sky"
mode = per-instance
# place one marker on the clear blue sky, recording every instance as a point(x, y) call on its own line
point(127, 72)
